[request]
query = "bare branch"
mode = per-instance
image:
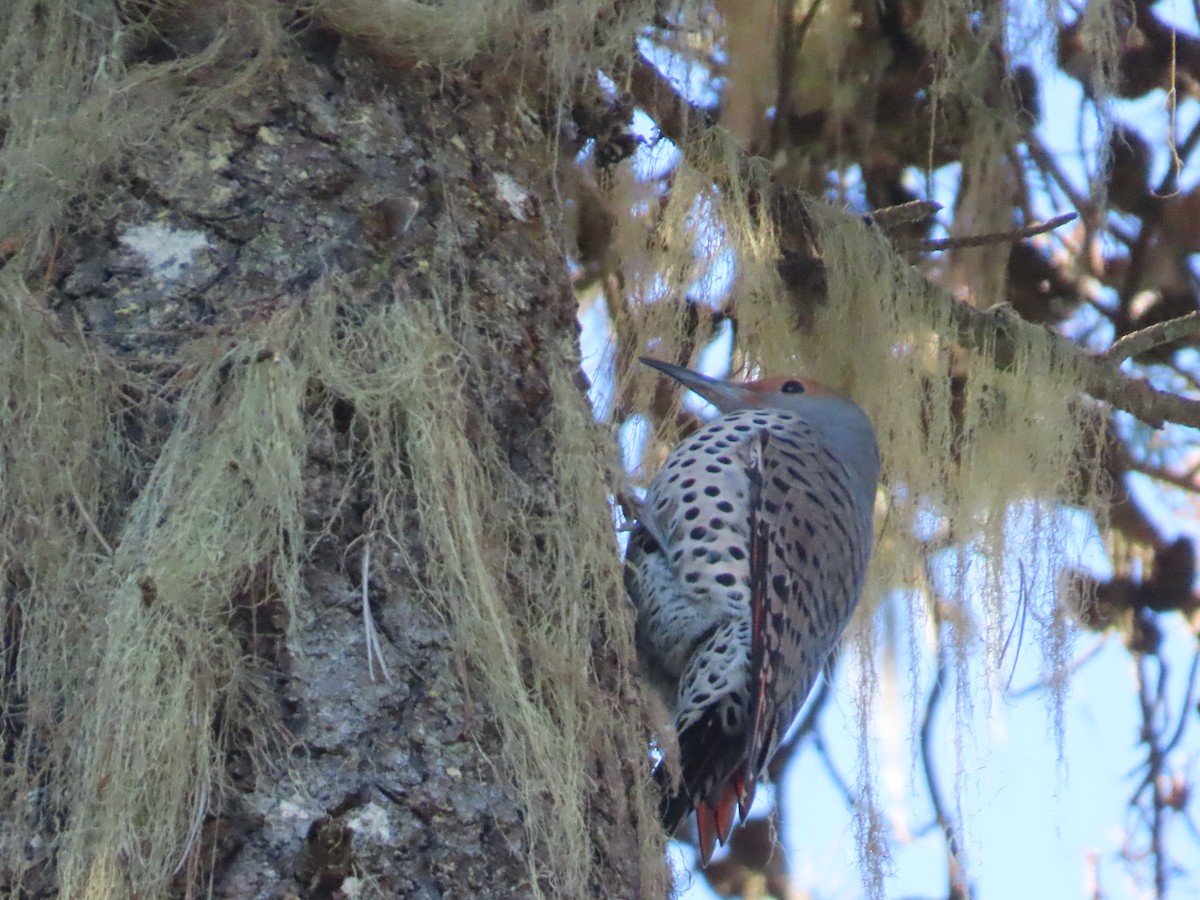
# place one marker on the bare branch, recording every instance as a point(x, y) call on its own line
point(1076, 664)
point(999, 237)
point(1186, 713)
point(1047, 163)
point(676, 118)
point(792, 35)
point(990, 335)
point(889, 217)
point(1154, 771)
point(1170, 182)
point(1183, 482)
point(1152, 336)
point(835, 776)
point(954, 873)
point(993, 334)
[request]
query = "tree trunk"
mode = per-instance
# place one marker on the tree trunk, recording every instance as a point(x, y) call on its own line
point(357, 267)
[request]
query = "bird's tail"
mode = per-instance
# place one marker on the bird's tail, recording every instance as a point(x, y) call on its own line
point(717, 782)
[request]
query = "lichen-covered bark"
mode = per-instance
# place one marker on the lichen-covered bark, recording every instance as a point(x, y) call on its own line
point(331, 169)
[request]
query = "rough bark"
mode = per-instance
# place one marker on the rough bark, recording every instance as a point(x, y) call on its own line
point(332, 167)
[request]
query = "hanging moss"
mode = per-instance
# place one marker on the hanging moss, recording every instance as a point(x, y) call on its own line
point(121, 553)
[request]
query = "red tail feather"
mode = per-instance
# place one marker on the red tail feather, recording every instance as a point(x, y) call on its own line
point(707, 827)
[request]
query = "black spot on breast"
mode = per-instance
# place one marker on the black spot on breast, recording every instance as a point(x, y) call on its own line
point(779, 483)
point(726, 579)
point(691, 577)
point(736, 552)
point(712, 491)
point(716, 524)
point(698, 533)
point(712, 469)
point(689, 497)
point(742, 428)
point(687, 483)
point(724, 506)
point(692, 513)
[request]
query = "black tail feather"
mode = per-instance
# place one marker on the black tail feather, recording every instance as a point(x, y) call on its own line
point(708, 757)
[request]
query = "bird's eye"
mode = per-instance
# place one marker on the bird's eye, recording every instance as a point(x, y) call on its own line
point(792, 387)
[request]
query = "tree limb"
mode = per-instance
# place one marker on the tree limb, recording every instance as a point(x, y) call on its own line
point(984, 332)
point(993, 334)
point(1138, 342)
point(677, 119)
point(1000, 237)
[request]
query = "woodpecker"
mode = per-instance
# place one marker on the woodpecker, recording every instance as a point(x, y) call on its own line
point(744, 566)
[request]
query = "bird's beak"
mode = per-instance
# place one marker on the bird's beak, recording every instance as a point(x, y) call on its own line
point(724, 395)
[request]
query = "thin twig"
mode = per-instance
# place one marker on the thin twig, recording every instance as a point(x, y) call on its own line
point(374, 649)
point(1045, 161)
point(1018, 625)
point(949, 832)
point(1186, 715)
point(1183, 482)
point(1139, 252)
point(889, 217)
point(1154, 766)
point(1078, 663)
point(834, 775)
point(1138, 342)
point(998, 237)
point(803, 728)
point(1170, 182)
point(83, 513)
point(791, 39)
point(993, 337)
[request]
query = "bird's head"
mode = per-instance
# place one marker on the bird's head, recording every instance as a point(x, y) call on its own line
point(729, 396)
point(845, 426)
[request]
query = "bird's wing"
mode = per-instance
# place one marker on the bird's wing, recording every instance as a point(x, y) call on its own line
point(764, 640)
point(808, 552)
